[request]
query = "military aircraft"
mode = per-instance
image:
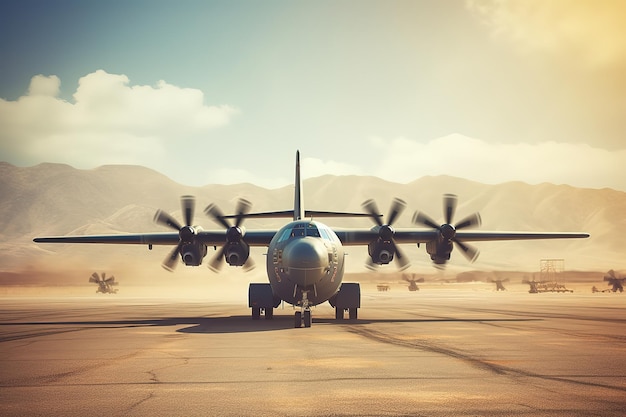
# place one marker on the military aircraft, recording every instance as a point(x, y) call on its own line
point(105, 285)
point(305, 258)
point(410, 278)
point(615, 281)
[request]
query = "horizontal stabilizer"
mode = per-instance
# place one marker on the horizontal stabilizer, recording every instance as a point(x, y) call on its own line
point(307, 213)
point(312, 213)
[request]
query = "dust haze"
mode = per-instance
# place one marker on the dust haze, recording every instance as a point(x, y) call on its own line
point(70, 277)
point(53, 199)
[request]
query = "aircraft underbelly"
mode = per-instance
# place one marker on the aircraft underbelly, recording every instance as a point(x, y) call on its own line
point(319, 290)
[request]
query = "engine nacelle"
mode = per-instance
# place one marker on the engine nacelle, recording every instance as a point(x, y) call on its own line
point(381, 251)
point(439, 251)
point(237, 253)
point(192, 255)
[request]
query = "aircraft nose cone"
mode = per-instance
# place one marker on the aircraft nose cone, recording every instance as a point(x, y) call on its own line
point(306, 252)
point(306, 260)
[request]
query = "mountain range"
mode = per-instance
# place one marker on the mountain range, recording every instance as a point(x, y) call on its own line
point(55, 199)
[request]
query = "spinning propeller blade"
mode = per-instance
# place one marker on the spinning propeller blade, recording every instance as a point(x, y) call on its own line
point(234, 233)
point(186, 233)
point(385, 231)
point(448, 230)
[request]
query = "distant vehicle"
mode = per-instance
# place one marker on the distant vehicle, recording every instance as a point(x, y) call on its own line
point(545, 286)
point(615, 281)
point(412, 281)
point(382, 287)
point(105, 285)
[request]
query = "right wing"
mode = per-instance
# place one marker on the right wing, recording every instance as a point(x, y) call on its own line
point(208, 238)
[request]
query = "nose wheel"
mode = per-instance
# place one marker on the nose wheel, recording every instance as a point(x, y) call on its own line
point(303, 317)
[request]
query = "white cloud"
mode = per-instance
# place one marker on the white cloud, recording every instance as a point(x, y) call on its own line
point(404, 160)
point(593, 30)
point(312, 167)
point(239, 176)
point(109, 121)
point(40, 85)
point(580, 165)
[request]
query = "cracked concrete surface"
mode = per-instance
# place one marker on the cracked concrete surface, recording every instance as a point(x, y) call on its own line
point(441, 353)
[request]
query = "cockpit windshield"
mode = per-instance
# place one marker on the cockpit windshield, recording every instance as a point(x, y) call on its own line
point(303, 229)
point(311, 230)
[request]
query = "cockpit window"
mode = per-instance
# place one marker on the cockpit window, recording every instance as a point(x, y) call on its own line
point(311, 230)
point(297, 231)
point(324, 233)
point(304, 229)
point(285, 234)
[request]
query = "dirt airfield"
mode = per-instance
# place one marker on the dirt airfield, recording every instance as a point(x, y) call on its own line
point(445, 350)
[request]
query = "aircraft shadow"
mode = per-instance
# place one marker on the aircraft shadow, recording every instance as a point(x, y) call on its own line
point(429, 320)
point(237, 324)
point(226, 324)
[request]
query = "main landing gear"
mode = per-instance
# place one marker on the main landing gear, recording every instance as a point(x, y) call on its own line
point(261, 298)
point(268, 311)
point(348, 298)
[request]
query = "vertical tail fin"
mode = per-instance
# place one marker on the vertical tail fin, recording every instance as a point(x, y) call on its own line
point(298, 206)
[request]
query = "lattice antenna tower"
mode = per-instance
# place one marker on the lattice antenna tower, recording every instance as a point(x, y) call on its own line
point(551, 269)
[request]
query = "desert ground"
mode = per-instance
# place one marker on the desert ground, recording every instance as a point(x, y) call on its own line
point(449, 349)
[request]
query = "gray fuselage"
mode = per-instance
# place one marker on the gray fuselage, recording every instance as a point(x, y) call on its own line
point(304, 256)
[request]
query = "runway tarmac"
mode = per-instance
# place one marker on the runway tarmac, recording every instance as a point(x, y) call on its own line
point(441, 352)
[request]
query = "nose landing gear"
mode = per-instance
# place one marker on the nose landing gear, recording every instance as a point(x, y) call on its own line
point(304, 315)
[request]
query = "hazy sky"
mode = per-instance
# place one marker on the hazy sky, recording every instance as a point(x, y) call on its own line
point(226, 91)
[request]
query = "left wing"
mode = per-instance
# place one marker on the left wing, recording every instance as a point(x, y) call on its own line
point(352, 237)
point(485, 236)
point(382, 242)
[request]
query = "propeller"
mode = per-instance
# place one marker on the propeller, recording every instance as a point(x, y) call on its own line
point(186, 233)
point(234, 233)
point(411, 278)
point(615, 281)
point(447, 230)
point(385, 231)
point(95, 278)
point(611, 275)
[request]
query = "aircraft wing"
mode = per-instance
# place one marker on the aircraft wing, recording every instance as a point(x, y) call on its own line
point(209, 238)
point(353, 237)
point(348, 237)
point(136, 239)
point(364, 236)
point(485, 236)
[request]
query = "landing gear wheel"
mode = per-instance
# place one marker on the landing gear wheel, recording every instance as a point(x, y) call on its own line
point(269, 313)
point(256, 313)
point(298, 320)
point(352, 314)
point(338, 313)
point(307, 318)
